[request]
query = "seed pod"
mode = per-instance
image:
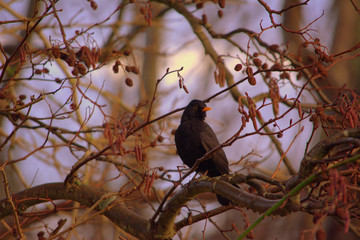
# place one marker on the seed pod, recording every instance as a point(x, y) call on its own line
point(243, 120)
point(249, 71)
point(257, 62)
point(22, 97)
point(138, 153)
point(253, 119)
point(93, 5)
point(127, 52)
point(300, 112)
point(221, 77)
point(252, 81)
point(116, 68)
point(276, 67)
point(221, 3)
point(75, 71)
point(199, 5)
point(216, 77)
point(135, 69)
point(285, 75)
point(160, 138)
point(322, 70)
point(204, 19)
point(258, 113)
point(274, 95)
point(81, 68)
point(63, 56)
point(128, 68)
point(80, 53)
point(238, 67)
point(129, 82)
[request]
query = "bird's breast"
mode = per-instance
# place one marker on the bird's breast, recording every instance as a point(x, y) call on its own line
point(188, 143)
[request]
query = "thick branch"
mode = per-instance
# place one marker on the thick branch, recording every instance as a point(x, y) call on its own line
point(320, 150)
point(254, 202)
point(124, 218)
point(165, 227)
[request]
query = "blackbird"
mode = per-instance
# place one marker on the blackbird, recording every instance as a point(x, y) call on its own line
point(194, 137)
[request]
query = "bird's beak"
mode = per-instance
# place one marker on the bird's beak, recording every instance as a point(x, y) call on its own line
point(206, 109)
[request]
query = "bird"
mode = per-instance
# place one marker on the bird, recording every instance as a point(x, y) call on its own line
point(194, 137)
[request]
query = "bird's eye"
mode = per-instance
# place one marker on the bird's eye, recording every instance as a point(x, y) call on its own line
point(195, 108)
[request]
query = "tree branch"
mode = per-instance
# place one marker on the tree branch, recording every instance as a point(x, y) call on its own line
point(120, 215)
point(319, 151)
point(166, 227)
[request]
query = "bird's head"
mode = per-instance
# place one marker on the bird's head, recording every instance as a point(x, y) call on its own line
point(196, 109)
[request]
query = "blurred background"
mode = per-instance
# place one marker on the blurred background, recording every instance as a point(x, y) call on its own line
point(129, 46)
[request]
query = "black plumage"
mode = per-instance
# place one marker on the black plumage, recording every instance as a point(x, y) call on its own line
point(194, 137)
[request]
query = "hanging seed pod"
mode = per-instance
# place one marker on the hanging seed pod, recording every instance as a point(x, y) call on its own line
point(75, 71)
point(22, 97)
point(129, 82)
point(221, 3)
point(135, 69)
point(238, 67)
point(199, 5)
point(274, 95)
point(116, 68)
point(252, 81)
point(93, 5)
point(249, 71)
point(81, 68)
point(204, 19)
point(257, 62)
point(127, 52)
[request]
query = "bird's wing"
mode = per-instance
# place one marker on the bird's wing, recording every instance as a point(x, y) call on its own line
point(210, 141)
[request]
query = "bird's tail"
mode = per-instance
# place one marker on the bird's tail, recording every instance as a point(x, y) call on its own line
point(223, 201)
